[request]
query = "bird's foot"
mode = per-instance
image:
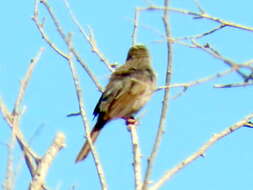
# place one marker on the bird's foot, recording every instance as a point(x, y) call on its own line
point(130, 121)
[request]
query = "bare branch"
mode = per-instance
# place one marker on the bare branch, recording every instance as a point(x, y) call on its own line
point(40, 27)
point(165, 104)
point(136, 156)
point(64, 37)
point(24, 82)
point(136, 23)
point(28, 153)
point(187, 85)
point(9, 181)
point(89, 37)
point(199, 6)
point(200, 153)
point(201, 15)
point(243, 84)
point(208, 49)
point(85, 120)
point(37, 182)
point(86, 68)
point(13, 121)
point(7, 116)
point(198, 36)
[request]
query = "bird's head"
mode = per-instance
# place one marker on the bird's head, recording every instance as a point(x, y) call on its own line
point(137, 51)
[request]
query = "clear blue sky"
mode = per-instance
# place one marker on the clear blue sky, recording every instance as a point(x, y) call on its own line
point(192, 118)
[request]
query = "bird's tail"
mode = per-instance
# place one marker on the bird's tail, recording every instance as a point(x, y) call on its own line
point(94, 134)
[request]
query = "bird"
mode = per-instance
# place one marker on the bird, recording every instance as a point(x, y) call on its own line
point(130, 86)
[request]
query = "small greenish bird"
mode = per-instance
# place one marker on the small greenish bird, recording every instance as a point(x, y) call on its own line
point(130, 87)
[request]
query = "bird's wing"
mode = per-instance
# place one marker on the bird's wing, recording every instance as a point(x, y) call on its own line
point(125, 94)
point(128, 99)
point(111, 91)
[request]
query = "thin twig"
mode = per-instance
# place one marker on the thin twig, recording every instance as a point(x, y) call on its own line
point(89, 37)
point(16, 114)
point(243, 84)
point(199, 6)
point(7, 116)
point(201, 151)
point(199, 81)
point(137, 25)
point(85, 120)
point(40, 27)
point(198, 36)
point(91, 75)
point(64, 37)
point(25, 80)
point(135, 28)
point(208, 49)
point(200, 15)
point(165, 105)
point(54, 19)
point(28, 152)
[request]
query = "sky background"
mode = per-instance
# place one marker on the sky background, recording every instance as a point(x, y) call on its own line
point(192, 118)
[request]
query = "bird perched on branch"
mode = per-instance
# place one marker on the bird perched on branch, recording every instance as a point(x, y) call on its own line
point(130, 87)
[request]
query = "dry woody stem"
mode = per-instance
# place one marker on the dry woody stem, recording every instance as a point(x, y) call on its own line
point(136, 156)
point(201, 151)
